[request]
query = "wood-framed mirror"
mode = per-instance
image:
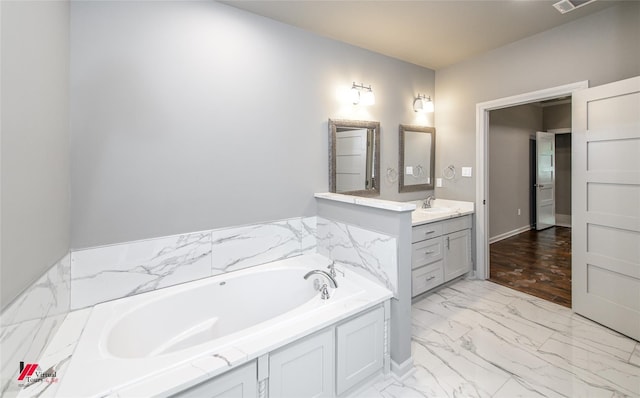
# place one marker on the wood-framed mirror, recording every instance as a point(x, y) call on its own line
point(416, 158)
point(354, 157)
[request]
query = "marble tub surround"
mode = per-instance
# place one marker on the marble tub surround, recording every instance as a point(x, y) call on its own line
point(238, 248)
point(454, 208)
point(122, 270)
point(48, 296)
point(57, 354)
point(111, 272)
point(30, 321)
point(372, 254)
point(480, 339)
point(25, 341)
point(94, 372)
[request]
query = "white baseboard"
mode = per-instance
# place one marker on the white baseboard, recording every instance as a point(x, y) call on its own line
point(509, 234)
point(563, 220)
point(403, 370)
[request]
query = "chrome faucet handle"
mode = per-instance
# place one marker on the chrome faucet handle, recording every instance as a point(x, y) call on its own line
point(324, 292)
point(332, 269)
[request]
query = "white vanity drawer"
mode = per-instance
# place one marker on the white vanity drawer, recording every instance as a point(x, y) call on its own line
point(426, 278)
point(426, 231)
point(456, 224)
point(426, 252)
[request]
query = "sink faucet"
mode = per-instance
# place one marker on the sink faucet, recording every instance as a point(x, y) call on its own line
point(324, 289)
point(428, 202)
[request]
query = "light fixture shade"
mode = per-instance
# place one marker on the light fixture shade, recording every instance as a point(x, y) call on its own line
point(355, 95)
point(418, 106)
point(368, 98)
point(427, 105)
point(361, 95)
point(423, 104)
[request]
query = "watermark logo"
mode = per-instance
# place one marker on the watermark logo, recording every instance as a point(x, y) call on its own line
point(27, 371)
point(31, 373)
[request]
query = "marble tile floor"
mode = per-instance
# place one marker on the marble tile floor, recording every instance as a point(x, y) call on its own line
point(481, 339)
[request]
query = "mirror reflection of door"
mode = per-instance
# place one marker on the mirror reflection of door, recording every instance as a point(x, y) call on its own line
point(352, 173)
point(354, 157)
point(545, 180)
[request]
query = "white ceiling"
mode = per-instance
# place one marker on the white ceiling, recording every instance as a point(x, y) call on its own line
point(430, 33)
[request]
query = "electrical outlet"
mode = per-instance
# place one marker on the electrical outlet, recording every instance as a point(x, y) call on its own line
point(438, 182)
point(519, 212)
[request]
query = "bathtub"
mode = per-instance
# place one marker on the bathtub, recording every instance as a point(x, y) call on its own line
point(162, 342)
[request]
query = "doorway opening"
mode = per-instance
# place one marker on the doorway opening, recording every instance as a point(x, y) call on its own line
point(483, 194)
point(530, 187)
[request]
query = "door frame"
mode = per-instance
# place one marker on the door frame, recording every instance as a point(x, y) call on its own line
point(482, 151)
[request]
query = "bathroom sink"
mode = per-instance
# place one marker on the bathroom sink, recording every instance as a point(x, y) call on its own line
point(435, 210)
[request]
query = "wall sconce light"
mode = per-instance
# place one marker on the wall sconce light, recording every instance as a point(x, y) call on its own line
point(423, 104)
point(362, 95)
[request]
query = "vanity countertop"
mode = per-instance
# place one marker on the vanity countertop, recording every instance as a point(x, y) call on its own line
point(441, 209)
point(368, 202)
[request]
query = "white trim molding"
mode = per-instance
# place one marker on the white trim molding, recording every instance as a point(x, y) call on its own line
point(509, 234)
point(482, 181)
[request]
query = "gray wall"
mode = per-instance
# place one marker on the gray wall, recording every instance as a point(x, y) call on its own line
point(601, 48)
point(510, 131)
point(35, 141)
point(189, 116)
point(557, 117)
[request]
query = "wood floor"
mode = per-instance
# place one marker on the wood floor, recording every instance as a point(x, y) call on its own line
point(535, 262)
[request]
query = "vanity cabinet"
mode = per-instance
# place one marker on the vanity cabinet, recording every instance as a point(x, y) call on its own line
point(440, 252)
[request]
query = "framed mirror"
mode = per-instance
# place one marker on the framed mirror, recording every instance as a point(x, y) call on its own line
point(354, 157)
point(417, 158)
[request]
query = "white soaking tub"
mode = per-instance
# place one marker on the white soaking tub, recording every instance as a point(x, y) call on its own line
point(173, 338)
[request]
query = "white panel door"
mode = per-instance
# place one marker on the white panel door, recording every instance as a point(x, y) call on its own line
point(606, 205)
point(545, 180)
point(351, 160)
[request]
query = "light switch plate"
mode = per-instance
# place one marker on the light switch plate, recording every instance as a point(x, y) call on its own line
point(438, 182)
point(409, 170)
point(466, 171)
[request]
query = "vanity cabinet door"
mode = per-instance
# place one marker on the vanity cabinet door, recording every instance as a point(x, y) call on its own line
point(426, 278)
point(425, 252)
point(360, 345)
point(425, 231)
point(457, 254)
point(238, 383)
point(304, 368)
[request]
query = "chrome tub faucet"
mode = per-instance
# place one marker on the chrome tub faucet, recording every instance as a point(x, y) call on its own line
point(324, 288)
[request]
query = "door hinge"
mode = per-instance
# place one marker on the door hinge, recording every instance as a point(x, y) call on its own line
point(484, 201)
